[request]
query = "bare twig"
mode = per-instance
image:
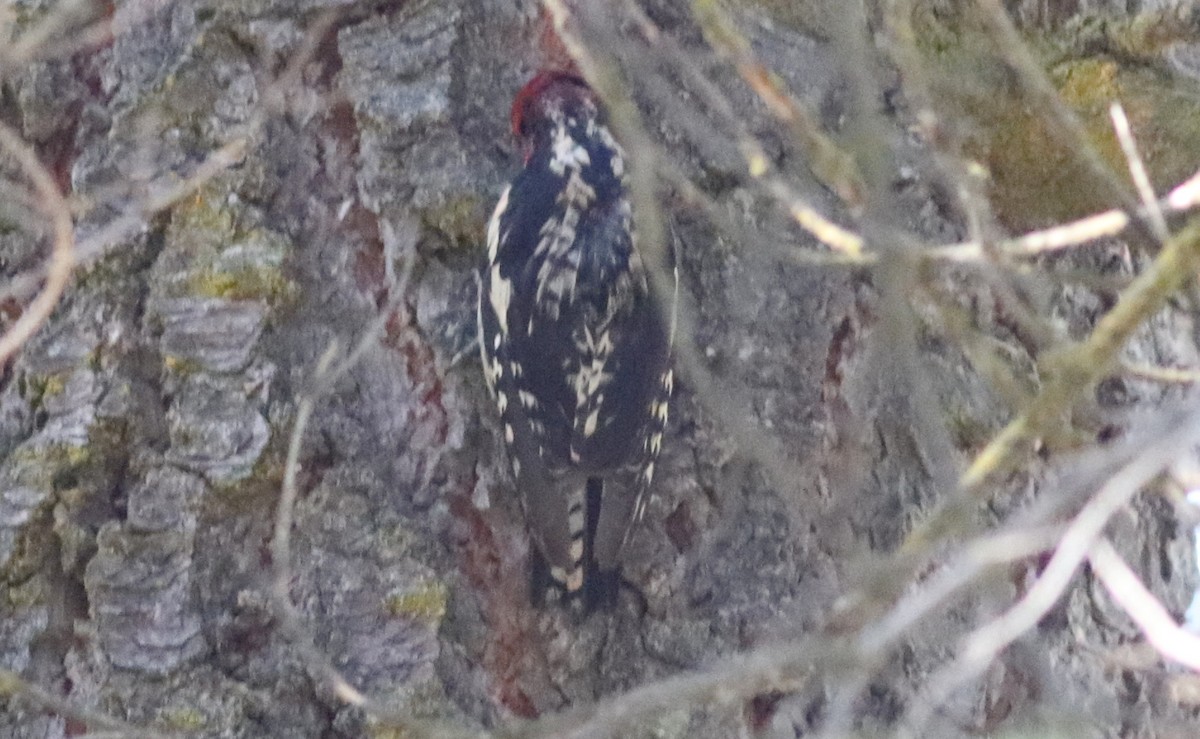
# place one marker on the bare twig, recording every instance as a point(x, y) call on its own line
point(966, 568)
point(62, 254)
point(772, 667)
point(33, 42)
point(1082, 365)
point(1137, 171)
point(164, 194)
point(1127, 590)
point(325, 375)
point(12, 684)
point(1170, 375)
point(832, 165)
point(171, 188)
point(1184, 197)
point(281, 547)
point(842, 241)
point(981, 646)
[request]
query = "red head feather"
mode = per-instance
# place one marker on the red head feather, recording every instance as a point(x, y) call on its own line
point(531, 95)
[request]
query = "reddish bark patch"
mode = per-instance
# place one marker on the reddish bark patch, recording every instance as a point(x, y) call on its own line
point(839, 351)
point(680, 527)
point(495, 567)
point(760, 710)
point(422, 370)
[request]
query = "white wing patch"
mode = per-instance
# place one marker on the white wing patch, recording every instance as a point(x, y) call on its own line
point(493, 230)
point(500, 295)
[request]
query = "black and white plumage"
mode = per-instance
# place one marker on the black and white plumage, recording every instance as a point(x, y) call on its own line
point(575, 339)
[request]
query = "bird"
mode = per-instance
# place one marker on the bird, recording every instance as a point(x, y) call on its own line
point(575, 339)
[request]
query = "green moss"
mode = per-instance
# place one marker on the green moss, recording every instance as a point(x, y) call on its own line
point(32, 388)
point(37, 465)
point(37, 388)
point(211, 255)
point(254, 495)
point(243, 284)
point(425, 602)
point(460, 219)
point(54, 385)
point(179, 366)
point(183, 718)
point(202, 215)
point(1163, 112)
point(1036, 177)
point(25, 595)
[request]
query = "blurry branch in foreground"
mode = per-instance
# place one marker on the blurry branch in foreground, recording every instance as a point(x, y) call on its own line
point(158, 195)
point(62, 253)
point(58, 35)
point(867, 623)
point(13, 685)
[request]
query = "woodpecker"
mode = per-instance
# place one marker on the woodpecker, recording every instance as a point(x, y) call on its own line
point(575, 338)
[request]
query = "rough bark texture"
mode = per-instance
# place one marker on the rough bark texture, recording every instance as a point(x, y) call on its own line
point(143, 431)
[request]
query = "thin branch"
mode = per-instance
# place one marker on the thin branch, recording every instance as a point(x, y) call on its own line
point(843, 242)
point(12, 684)
point(325, 375)
point(171, 188)
point(831, 650)
point(835, 167)
point(62, 254)
point(1183, 197)
point(1170, 375)
point(732, 680)
point(1137, 171)
point(1077, 368)
point(53, 37)
point(33, 41)
point(971, 566)
point(281, 552)
point(979, 648)
point(1152, 617)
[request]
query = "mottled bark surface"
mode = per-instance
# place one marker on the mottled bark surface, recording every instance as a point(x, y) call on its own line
point(143, 431)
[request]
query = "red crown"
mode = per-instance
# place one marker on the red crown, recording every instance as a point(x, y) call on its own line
point(534, 89)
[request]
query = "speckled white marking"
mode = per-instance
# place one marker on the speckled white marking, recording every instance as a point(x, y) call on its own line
point(589, 426)
point(655, 443)
point(493, 231)
point(575, 579)
point(500, 295)
point(527, 399)
point(567, 152)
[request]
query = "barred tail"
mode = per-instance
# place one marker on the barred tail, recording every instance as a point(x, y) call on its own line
point(599, 586)
point(583, 586)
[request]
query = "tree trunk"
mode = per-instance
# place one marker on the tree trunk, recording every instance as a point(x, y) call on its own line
point(826, 410)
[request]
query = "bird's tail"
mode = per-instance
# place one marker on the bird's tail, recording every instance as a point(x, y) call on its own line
point(583, 587)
